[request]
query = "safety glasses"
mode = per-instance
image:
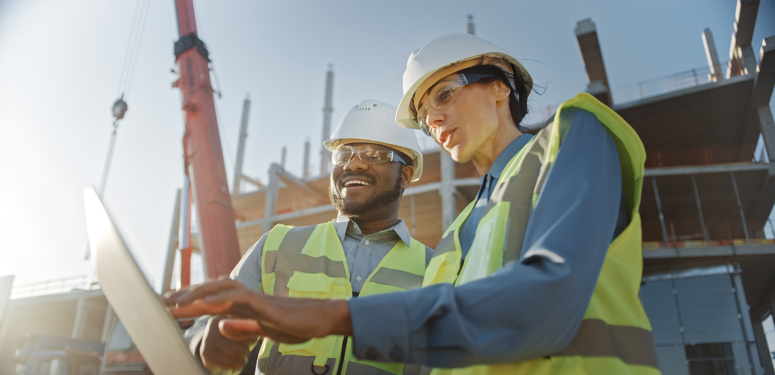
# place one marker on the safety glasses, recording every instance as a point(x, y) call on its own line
point(344, 153)
point(440, 95)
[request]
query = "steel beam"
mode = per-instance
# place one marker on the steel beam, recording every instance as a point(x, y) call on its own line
point(704, 169)
point(765, 357)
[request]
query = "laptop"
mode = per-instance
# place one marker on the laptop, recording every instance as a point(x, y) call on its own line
point(145, 317)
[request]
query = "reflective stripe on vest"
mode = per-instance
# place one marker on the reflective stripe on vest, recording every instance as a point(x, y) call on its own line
point(615, 335)
point(309, 262)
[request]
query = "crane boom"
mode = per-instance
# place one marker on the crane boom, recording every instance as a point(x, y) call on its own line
point(202, 148)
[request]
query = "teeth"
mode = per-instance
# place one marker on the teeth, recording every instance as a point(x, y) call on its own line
point(356, 183)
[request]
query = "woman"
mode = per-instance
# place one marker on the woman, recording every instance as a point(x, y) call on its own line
point(540, 274)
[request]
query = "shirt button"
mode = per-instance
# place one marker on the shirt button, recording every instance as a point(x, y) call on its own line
point(358, 278)
point(367, 242)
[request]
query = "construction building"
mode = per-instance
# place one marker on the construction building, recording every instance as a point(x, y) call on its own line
point(707, 195)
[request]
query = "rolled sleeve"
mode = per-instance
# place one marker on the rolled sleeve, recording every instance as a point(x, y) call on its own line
point(530, 308)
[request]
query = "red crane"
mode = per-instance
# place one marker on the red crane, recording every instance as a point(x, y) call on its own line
point(202, 152)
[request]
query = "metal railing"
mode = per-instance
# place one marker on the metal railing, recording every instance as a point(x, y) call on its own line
point(642, 90)
point(663, 85)
point(53, 286)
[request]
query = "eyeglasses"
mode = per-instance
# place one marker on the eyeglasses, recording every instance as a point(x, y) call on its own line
point(440, 95)
point(344, 153)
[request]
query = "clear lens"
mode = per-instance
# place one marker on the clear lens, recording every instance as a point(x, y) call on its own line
point(439, 97)
point(343, 154)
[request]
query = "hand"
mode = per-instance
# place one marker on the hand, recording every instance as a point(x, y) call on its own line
point(226, 351)
point(282, 319)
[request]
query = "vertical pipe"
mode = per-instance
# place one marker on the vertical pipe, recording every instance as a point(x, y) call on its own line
point(470, 25)
point(740, 207)
point(282, 157)
point(272, 193)
point(325, 155)
point(174, 240)
point(659, 208)
point(185, 251)
point(705, 235)
point(411, 205)
point(305, 167)
point(243, 133)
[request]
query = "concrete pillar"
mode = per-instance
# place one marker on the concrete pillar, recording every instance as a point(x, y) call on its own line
point(447, 190)
point(586, 36)
point(712, 55)
point(325, 155)
point(81, 316)
point(470, 30)
point(272, 193)
point(763, 349)
point(767, 127)
point(283, 153)
point(740, 54)
point(107, 323)
point(305, 167)
point(243, 134)
point(747, 327)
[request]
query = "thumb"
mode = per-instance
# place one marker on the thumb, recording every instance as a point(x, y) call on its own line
point(239, 329)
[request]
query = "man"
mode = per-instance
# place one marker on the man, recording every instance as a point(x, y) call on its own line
point(539, 275)
point(366, 250)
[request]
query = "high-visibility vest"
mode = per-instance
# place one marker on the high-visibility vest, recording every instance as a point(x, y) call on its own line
point(309, 262)
point(615, 334)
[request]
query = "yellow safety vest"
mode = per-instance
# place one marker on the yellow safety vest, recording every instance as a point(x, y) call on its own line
point(615, 336)
point(309, 262)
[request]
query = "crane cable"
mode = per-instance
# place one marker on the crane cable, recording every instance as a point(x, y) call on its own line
point(125, 80)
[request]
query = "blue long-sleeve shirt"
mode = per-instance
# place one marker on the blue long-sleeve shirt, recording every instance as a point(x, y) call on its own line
point(529, 308)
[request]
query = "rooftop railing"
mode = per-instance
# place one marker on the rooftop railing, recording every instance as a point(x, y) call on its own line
point(646, 89)
point(53, 286)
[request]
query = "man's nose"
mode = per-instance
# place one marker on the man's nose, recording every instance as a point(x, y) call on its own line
point(355, 164)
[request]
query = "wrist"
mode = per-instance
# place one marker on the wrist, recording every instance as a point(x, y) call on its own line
point(340, 318)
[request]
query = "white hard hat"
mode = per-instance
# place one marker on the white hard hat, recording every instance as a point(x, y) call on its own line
point(451, 52)
point(373, 121)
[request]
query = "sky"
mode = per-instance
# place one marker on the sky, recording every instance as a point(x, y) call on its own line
point(61, 62)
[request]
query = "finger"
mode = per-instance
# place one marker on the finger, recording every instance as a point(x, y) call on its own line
point(199, 308)
point(245, 303)
point(206, 289)
point(239, 329)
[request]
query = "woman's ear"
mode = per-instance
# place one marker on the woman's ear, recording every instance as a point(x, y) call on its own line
point(501, 91)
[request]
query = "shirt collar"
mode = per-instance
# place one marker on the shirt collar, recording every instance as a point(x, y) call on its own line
point(507, 154)
point(344, 226)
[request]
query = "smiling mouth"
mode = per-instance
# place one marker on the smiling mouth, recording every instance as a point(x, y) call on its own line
point(355, 183)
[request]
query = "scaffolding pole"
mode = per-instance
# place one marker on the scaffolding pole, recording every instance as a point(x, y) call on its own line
point(740, 207)
point(659, 208)
point(705, 235)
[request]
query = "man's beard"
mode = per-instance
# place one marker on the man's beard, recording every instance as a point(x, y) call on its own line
point(355, 209)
